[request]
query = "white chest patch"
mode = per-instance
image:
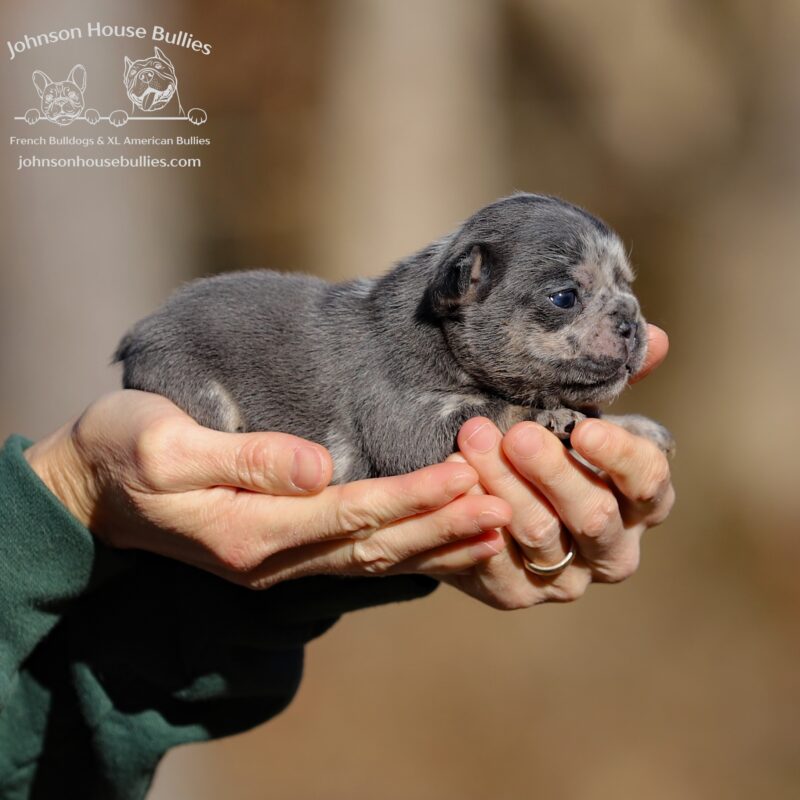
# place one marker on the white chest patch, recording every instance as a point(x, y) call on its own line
point(450, 403)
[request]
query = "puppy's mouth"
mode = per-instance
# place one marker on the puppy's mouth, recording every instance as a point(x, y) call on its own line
point(593, 380)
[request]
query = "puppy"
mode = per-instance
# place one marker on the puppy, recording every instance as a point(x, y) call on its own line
point(151, 85)
point(525, 312)
point(61, 101)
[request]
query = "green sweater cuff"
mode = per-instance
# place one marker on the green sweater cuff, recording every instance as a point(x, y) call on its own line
point(47, 560)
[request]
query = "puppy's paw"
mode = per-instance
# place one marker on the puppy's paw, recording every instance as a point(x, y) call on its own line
point(32, 116)
point(92, 116)
point(118, 118)
point(197, 116)
point(642, 426)
point(560, 421)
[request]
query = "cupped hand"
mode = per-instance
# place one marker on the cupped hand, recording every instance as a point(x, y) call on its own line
point(256, 508)
point(557, 500)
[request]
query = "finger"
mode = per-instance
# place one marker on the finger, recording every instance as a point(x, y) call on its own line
point(237, 531)
point(181, 457)
point(503, 583)
point(535, 526)
point(384, 550)
point(458, 557)
point(581, 499)
point(635, 465)
point(352, 509)
point(657, 349)
point(459, 459)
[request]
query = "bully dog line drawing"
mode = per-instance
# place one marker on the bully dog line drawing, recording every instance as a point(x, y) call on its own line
point(150, 83)
point(62, 102)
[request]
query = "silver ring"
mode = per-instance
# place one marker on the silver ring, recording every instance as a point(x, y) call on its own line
point(555, 569)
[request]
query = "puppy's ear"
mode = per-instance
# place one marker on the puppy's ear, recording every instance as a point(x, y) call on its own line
point(77, 76)
point(41, 81)
point(128, 65)
point(461, 278)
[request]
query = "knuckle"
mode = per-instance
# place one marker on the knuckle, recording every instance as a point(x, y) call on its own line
point(371, 557)
point(569, 590)
point(514, 600)
point(152, 450)
point(555, 473)
point(237, 557)
point(622, 568)
point(536, 533)
point(505, 482)
point(662, 508)
point(656, 483)
point(599, 519)
point(351, 519)
point(255, 463)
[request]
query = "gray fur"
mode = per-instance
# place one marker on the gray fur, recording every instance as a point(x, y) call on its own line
point(385, 371)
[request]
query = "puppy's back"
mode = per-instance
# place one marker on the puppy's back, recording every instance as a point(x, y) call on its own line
point(234, 351)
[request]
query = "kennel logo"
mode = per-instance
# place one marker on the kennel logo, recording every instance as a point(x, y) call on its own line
point(151, 85)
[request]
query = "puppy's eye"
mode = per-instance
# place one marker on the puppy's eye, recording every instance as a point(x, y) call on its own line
point(565, 299)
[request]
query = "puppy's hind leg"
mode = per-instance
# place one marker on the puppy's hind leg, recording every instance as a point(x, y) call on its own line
point(182, 381)
point(215, 408)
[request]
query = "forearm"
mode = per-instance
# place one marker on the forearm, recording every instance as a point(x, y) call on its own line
point(47, 559)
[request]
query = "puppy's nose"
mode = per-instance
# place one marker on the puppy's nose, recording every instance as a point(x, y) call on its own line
point(627, 328)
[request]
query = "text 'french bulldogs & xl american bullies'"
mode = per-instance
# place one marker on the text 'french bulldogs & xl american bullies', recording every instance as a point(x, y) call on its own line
point(524, 312)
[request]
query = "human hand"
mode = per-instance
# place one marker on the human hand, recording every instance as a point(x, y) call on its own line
point(256, 508)
point(556, 499)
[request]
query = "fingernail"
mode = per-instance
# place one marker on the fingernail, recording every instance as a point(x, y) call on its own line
point(489, 545)
point(483, 439)
point(306, 472)
point(593, 436)
point(459, 483)
point(527, 443)
point(490, 519)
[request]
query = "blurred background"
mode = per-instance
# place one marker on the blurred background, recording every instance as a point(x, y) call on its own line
point(346, 134)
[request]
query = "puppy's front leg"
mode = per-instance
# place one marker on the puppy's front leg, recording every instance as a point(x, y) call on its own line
point(560, 421)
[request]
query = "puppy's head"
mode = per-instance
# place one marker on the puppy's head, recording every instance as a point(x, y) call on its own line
point(534, 296)
point(62, 101)
point(150, 82)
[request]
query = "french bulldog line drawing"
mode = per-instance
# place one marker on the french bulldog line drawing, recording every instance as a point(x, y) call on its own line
point(62, 102)
point(152, 85)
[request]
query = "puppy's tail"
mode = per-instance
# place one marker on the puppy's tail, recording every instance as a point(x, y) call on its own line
point(134, 347)
point(124, 349)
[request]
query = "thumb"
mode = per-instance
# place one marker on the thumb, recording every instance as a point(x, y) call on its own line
point(657, 349)
point(269, 463)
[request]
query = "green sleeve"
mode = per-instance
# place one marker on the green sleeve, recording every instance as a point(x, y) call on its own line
point(47, 559)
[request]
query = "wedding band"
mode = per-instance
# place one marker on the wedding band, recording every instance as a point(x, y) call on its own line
point(550, 571)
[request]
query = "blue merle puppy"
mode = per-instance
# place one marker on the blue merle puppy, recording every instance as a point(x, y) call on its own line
point(524, 312)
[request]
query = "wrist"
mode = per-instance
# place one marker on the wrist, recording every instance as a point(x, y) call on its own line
point(58, 464)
